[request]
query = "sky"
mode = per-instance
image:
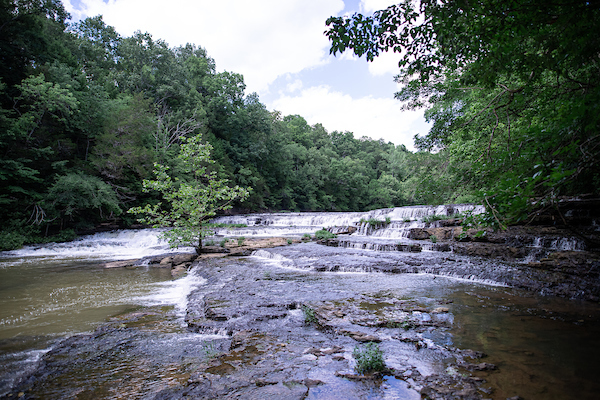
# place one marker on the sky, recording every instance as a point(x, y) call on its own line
point(280, 48)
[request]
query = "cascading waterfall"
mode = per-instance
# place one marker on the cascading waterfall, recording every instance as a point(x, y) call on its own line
point(115, 245)
point(401, 220)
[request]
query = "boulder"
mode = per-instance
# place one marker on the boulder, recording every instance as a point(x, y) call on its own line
point(120, 264)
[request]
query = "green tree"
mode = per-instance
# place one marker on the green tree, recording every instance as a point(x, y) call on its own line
point(190, 202)
point(512, 89)
point(79, 195)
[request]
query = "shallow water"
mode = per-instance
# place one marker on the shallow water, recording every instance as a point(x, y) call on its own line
point(545, 348)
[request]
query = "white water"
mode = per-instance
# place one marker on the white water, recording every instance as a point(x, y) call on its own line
point(292, 224)
point(172, 293)
point(115, 245)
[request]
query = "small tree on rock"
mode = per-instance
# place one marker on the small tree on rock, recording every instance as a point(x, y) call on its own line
point(190, 202)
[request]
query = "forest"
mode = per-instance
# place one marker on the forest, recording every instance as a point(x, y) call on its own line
point(86, 113)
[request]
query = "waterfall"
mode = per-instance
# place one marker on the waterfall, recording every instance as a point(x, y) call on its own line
point(395, 222)
point(115, 245)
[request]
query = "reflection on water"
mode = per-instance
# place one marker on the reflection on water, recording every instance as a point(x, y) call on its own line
point(545, 348)
point(58, 297)
point(45, 298)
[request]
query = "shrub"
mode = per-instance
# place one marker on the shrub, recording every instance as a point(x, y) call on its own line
point(374, 222)
point(241, 240)
point(324, 234)
point(369, 358)
point(290, 241)
point(223, 242)
point(11, 240)
point(309, 315)
point(433, 238)
point(306, 237)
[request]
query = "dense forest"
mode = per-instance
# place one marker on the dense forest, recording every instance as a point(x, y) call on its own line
point(86, 113)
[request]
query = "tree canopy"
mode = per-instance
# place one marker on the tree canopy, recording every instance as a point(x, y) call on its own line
point(86, 113)
point(511, 87)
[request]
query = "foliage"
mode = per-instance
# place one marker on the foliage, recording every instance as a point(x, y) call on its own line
point(11, 240)
point(433, 238)
point(191, 202)
point(74, 194)
point(324, 234)
point(369, 358)
point(81, 102)
point(241, 240)
point(309, 315)
point(511, 89)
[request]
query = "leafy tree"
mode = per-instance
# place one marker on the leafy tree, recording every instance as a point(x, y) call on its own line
point(190, 201)
point(75, 193)
point(512, 88)
point(123, 154)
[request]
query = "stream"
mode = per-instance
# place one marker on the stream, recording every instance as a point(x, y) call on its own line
point(234, 327)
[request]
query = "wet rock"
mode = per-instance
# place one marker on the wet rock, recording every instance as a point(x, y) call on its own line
point(214, 250)
point(360, 336)
point(333, 350)
point(166, 262)
point(313, 382)
point(411, 248)
point(183, 258)
point(342, 230)
point(356, 377)
point(329, 242)
point(478, 367)
point(179, 270)
point(418, 234)
point(120, 264)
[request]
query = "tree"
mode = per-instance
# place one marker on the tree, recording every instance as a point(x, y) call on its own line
point(76, 193)
point(190, 201)
point(512, 88)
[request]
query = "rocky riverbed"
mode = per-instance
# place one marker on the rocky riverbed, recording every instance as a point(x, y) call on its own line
point(284, 324)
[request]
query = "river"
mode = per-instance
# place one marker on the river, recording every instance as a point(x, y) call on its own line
point(72, 329)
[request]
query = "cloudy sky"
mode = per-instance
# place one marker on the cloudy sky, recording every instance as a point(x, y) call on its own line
point(280, 49)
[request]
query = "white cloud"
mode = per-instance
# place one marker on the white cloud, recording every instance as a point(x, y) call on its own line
point(294, 86)
point(369, 6)
point(261, 39)
point(385, 64)
point(373, 117)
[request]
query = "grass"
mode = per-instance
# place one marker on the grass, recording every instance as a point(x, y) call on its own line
point(369, 358)
point(241, 240)
point(324, 234)
point(309, 315)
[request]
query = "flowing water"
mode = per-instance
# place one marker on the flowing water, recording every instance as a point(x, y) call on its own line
point(545, 348)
